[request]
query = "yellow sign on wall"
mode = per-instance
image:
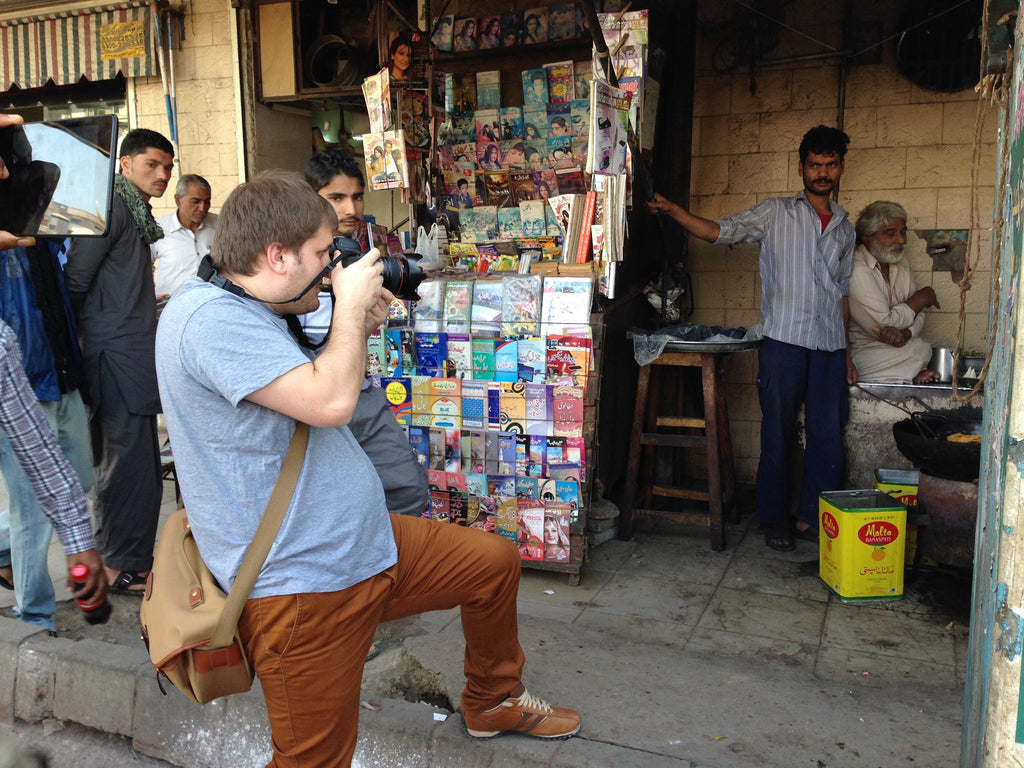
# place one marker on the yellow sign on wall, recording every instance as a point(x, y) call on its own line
point(124, 40)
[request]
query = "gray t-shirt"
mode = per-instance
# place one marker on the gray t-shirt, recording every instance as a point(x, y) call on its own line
point(213, 349)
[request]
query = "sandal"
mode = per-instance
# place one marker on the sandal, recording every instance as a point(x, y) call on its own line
point(810, 533)
point(129, 582)
point(779, 538)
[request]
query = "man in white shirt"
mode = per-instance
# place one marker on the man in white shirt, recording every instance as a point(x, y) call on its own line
point(188, 234)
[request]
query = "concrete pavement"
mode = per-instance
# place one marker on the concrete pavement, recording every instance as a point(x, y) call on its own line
point(675, 655)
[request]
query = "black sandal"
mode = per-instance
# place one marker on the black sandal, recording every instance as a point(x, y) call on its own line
point(779, 538)
point(125, 582)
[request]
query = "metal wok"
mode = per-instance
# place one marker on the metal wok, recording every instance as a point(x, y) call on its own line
point(923, 439)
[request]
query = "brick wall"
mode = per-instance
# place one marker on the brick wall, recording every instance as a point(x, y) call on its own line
point(908, 144)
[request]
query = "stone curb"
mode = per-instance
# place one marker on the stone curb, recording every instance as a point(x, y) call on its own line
point(112, 688)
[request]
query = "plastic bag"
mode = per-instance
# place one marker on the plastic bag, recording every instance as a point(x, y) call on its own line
point(426, 247)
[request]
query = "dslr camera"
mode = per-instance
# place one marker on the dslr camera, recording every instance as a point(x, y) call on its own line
point(402, 274)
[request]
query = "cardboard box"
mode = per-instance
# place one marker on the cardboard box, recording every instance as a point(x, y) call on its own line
point(862, 544)
point(902, 485)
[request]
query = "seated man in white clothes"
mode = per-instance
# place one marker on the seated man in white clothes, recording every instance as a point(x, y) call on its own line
point(188, 234)
point(886, 308)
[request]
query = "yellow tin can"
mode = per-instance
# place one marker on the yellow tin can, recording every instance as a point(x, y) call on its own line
point(862, 544)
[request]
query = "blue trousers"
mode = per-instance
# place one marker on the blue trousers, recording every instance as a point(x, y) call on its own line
point(790, 376)
point(25, 536)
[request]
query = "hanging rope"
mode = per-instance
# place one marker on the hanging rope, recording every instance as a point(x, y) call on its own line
point(992, 91)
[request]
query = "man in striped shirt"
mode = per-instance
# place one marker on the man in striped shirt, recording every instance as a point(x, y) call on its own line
point(806, 257)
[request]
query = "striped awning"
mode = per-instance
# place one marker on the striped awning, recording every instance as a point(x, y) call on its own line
point(64, 46)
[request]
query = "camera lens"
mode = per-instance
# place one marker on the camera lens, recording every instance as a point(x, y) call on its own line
point(402, 275)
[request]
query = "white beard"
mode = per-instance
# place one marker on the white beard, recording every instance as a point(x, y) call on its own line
point(886, 254)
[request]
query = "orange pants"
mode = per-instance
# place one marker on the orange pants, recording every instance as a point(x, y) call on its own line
point(308, 649)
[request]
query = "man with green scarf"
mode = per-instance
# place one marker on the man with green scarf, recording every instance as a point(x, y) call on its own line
point(110, 280)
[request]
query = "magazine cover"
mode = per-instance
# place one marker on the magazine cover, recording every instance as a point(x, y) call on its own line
point(535, 87)
point(426, 313)
point(377, 94)
point(386, 161)
point(565, 301)
point(530, 358)
point(535, 25)
point(495, 191)
point(546, 182)
point(463, 129)
point(608, 128)
point(536, 154)
point(442, 37)
point(487, 126)
point(415, 119)
point(557, 546)
point(579, 113)
point(431, 353)
point(521, 305)
point(464, 35)
point(560, 151)
point(487, 300)
point(530, 529)
point(560, 83)
point(513, 154)
point(458, 301)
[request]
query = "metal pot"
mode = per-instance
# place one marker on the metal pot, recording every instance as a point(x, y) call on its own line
point(942, 363)
point(923, 440)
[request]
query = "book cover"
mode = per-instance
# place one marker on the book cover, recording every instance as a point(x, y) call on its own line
point(506, 517)
point(513, 154)
point(435, 457)
point(536, 154)
point(583, 72)
point(398, 393)
point(535, 122)
point(458, 508)
point(452, 447)
point(513, 407)
point(496, 191)
point(488, 89)
point(419, 441)
point(510, 223)
point(438, 505)
point(522, 464)
point(552, 227)
point(474, 404)
point(580, 151)
point(532, 214)
point(568, 400)
point(483, 359)
point(476, 484)
point(546, 182)
point(490, 32)
point(421, 400)
point(560, 85)
point(567, 471)
point(521, 305)
point(557, 450)
point(539, 409)
point(511, 120)
point(486, 311)
point(562, 21)
point(487, 127)
point(431, 353)
point(579, 113)
point(503, 484)
point(427, 312)
point(522, 187)
point(530, 529)
point(565, 301)
point(557, 543)
point(583, 250)
point(507, 451)
point(532, 359)
point(568, 492)
point(568, 359)
point(506, 360)
point(559, 119)
point(571, 182)
point(560, 152)
point(406, 352)
point(464, 129)
point(527, 487)
point(460, 355)
point(535, 87)
point(464, 35)
point(511, 29)
point(538, 455)
point(535, 25)
point(480, 224)
point(376, 354)
point(493, 418)
point(443, 33)
point(458, 303)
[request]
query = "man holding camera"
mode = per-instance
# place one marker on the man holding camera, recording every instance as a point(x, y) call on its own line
point(336, 177)
point(340, 563)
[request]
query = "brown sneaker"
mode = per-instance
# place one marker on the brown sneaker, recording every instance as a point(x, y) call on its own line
point(523, 714)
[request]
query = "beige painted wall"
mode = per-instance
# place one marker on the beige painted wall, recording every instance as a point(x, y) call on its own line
point(208, 130)
point(907, 144)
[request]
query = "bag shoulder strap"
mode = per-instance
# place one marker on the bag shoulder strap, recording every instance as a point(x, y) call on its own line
point(263, 540)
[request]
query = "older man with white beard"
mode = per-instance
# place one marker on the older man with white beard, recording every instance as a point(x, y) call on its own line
point(886, 309)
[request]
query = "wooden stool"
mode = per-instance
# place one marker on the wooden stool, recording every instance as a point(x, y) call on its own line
point(714, 438)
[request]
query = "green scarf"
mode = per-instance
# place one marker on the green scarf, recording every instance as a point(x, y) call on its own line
point(149, 230)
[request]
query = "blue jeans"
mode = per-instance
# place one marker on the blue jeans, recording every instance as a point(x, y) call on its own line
point(787, 377)
point(26, 535)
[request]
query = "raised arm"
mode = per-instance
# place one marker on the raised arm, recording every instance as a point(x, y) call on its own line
point(705, 229)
